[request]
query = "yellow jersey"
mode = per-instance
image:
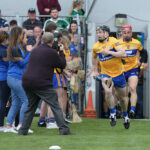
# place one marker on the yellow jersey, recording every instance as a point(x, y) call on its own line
point(131, 48)
point(110, 65)
point(67, 54)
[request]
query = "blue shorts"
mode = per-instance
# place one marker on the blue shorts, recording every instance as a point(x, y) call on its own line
point(118, 81)
point(59, 81)
point(133, 72)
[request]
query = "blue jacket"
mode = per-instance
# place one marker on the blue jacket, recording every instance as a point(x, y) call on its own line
point(17, 68)
point(73, 49)
point(3, 64)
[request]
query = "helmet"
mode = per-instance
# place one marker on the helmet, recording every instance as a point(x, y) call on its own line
point(104, 28)
point(127, 27)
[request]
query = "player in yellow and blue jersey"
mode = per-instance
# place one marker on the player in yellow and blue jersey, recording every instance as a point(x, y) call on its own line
point(105, 50)
point(132, 48)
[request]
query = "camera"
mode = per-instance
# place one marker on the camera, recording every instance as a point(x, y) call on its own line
point(57, 36)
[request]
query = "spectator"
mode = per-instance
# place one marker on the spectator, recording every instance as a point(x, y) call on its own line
point(16, 48)
point(45, 109)
point(45, 6)
point(73, 28)
point(12, 24)
point(35, 40)
point(77, 9)
point(3, 23)
point(39, 85)
point(74, 45)
point(30, 23)
point(4, 89)
point(61, 23)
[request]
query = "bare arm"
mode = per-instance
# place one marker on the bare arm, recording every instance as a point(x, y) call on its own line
point(95, 65)
point(138, 56)
point(4, 29)
point(120, 52)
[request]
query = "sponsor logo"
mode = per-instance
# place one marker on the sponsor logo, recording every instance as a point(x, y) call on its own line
point(117, 43)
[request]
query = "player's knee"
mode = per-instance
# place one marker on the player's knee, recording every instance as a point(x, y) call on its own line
point(133, 89)
point(108, 92)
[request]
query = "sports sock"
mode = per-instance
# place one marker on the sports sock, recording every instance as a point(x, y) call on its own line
point(106, 114)
point(133, 108)
point(125, 114)
point(113, 110)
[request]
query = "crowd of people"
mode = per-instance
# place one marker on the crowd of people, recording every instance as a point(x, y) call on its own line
point(18, 44)
point(39, 60)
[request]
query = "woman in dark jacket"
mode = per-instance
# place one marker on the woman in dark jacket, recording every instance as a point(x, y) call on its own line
point(4, 89)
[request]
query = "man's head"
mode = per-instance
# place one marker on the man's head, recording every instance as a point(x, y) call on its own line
point(32, 14)
point(48, 38)
point(127, 33)
point(37, 31)
point(54, 13)
point(102, 33)
point(51, 27)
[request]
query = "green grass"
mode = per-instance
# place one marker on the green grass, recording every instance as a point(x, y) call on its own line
point(92, 134)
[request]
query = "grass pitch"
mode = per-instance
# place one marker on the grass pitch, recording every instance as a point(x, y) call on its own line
point(92, 134)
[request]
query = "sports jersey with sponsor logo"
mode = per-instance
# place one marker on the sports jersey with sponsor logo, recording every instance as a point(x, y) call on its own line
point(61, 23)
point(67, 54)
point(110, 65)
point(131, 48)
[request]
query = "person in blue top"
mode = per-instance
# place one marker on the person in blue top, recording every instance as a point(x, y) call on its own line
point(16, 49)
point(3, 23)
point(4, 89)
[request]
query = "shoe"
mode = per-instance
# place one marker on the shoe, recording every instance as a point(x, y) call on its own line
point(126, 123)
point(21, 133)
point(67, 120)
point(132, 114)
point(2, 129)
point(37, 111)
point(66, 133)
point(112, 120)
point(12, 130)
point(30, 131)
point(51, 125)
point(41, 124)
point(19, 126)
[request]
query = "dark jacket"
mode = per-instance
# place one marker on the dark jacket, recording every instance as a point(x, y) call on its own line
point(39, 73)
point(3, 64)
point(27, 24)
point(42, 4)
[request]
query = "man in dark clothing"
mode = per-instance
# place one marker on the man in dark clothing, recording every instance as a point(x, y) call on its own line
point(35, 40)
point(44, 7)
point(30, 23)
point(37, 82)
point(143, 67)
